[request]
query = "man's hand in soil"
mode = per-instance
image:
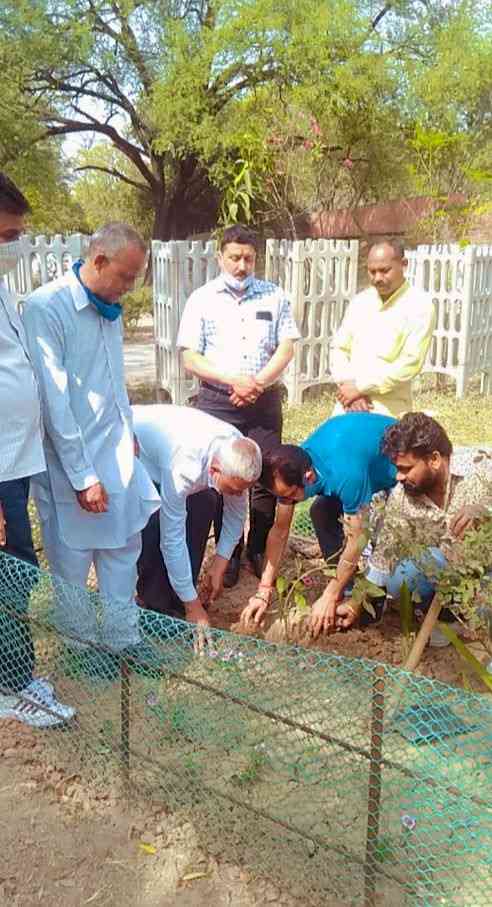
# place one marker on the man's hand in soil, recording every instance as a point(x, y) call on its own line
point(347, 614)
point(3, 529)
point(323, 615)
point(213, 582)
point(467, 518)
point(254, 612)
point(195, 612)
point(93, 499)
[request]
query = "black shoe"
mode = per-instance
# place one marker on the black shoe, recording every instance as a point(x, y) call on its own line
point(231, 575)
point(256, 561)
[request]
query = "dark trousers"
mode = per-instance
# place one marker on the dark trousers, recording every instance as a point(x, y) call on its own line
point(153, 587)
point(16, 646)
point(261, 421)
point(326, 513)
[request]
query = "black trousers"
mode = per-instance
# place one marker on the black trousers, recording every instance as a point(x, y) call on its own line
point(326, 513)
point(153, 587)
point(261, 421)
point(16, 646)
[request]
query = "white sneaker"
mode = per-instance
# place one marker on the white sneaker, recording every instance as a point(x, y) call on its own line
point(36, 706)
point(437, 638)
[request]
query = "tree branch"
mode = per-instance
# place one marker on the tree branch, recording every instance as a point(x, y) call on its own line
point(377, 19)
point(67, 126)
point(111, 171)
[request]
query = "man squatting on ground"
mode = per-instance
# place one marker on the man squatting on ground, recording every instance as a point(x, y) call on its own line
point(95, 497)
point(431, 504)
point(383, 340)
point(192, 458)
point(22, 697)
point(238, 334)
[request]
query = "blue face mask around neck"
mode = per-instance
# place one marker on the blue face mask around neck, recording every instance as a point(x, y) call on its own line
point(239, 286)
point(111, 311)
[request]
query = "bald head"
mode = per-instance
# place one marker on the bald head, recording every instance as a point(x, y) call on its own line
point(386, 264)
point(116, 259)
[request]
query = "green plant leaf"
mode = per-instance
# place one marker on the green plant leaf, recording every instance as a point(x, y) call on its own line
point(281, 585)
point(465, 653)
point(406, 610)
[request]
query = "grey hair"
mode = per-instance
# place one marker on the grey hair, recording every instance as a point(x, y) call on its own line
point(112, 238)
point(239, 458)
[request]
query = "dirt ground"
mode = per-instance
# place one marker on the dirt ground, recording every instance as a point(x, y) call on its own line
point(383, 643)
point(63, 841)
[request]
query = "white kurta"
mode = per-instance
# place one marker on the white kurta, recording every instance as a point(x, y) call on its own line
point(78, 359)
point(177, 446)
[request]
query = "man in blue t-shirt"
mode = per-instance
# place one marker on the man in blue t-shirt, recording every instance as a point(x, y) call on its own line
point(342, 467)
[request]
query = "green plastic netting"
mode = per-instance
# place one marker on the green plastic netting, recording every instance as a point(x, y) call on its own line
point(346, 781)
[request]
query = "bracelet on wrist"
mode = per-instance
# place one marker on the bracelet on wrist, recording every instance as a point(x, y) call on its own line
point(265, 586)
point(261, 597)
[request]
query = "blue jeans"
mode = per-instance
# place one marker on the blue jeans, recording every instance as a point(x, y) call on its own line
point(16, 646)
point(412, 574)
point(409, 572)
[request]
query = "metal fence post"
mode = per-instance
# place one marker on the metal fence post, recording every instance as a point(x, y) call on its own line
point(125, 720)
point(374, 788)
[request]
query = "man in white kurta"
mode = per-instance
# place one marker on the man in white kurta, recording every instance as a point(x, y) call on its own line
point(95, 497)
point(383, 340)
point(191, 456)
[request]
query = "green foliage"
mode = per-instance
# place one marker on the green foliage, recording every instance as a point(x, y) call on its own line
point(136, 304)
point(104, 196)
point(465, 653)
point(259, 110)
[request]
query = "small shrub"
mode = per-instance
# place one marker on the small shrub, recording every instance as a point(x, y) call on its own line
point(135, 305)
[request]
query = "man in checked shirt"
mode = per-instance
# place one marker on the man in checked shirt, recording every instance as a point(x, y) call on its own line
point(237, 334)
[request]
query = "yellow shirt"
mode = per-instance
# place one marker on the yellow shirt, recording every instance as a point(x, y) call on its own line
point(381, 345)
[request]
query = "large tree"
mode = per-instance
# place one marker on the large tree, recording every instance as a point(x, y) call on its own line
point(184, 89)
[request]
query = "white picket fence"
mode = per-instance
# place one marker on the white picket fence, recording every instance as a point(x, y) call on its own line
point(319, 277)
point(42, 259)
point(178, 268)
point(460, 283)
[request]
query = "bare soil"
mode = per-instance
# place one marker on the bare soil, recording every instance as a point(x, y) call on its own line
point(64, 840)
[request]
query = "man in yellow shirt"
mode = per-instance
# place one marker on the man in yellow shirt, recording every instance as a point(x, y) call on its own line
point(383, 340)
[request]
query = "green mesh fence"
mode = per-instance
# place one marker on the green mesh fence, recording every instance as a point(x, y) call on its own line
point(346, 781)
point(301, 522)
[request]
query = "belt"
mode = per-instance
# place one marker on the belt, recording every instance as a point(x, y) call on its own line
point(226, 389)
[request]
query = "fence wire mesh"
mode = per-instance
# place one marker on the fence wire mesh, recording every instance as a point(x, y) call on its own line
point(346, 781)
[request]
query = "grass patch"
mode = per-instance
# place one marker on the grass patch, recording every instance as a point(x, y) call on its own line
point(467, 421)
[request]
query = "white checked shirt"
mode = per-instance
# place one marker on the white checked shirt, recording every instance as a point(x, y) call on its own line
point(177, 445)
point(21, 447)
point(238, 335)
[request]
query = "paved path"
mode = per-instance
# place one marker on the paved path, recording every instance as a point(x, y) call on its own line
point(139, 363)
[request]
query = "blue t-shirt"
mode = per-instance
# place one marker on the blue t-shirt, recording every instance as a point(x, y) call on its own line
point(346, 454)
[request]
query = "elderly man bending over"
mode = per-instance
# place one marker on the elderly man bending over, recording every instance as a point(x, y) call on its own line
point(193, 458)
